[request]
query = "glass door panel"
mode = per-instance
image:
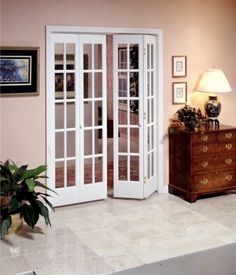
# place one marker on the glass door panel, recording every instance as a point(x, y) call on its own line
point(65, 131)
point(128, 67)
point(77, 99)
point(93, 117)
point(150, 122)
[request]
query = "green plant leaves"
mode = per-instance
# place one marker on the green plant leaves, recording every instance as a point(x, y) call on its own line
point(5, 225)
point(31, 184)
point(13, 204)
point(44, 212)
point(33, 173)
point(17, 185)
point(30, 214)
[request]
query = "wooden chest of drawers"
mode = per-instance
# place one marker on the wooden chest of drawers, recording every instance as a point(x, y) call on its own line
point(202, 162)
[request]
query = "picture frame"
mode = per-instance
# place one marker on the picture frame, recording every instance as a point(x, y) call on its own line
point(179, 92)
point(19, 71)
point(179, 66)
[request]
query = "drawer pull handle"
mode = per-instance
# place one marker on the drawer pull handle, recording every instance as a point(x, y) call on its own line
point(204, 181)
point(228, 177)
point(228, 146)
point(204, 164)
point(204, 149)
point(228, 161)
point(204, 137)
point(228, 135)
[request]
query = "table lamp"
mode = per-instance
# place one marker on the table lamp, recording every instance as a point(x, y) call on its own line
point(213, 81)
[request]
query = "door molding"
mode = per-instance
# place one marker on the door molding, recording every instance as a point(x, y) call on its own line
point(160, 100)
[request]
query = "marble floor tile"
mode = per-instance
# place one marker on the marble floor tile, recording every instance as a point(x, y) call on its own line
point(106, 236)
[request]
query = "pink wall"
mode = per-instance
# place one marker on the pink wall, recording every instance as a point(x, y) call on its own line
point(204, 30)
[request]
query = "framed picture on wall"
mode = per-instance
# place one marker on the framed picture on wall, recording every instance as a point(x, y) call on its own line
point(179, 66)
point(179, 92)
point(19, 71)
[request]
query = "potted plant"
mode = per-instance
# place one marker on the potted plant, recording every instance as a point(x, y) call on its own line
point(188, 116)
point(18, 195)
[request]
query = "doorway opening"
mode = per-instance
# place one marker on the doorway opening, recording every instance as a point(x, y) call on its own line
point(103, 123)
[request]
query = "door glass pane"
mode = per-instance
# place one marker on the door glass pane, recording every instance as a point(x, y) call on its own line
point(122, 83)
point(152, 110)
point(134, 87)
point(88, 171)
point(134, 168)
point(98, 113)
point(148, 111)
point(59, 145)
point(87, 142)
point(148, 83)
point(134, 112)
point(148, 56)
point(70, 85)
point(59, 174)
point(148, 138)
point(122, 143)
point(59, 116)
point(97, 84)
point(59, 86)
point(152, 85)
point(70, 107)
point(152, 55)
point(97, 56)
point(70, 56)
point(122, 112)
point(71, 144)
point(87, 85)
point(122, 168)
point(87, 56)
point(134, 140)
point(88, 105)
point(98, 141)
point(122, 56)
point(98, 169)
point(149, 167)
point(152, 173)
point(152, 137)
point(71, 173)
point(133, 56)
point(59, 51)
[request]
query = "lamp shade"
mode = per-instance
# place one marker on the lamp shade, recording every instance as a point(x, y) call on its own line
point(214, 81)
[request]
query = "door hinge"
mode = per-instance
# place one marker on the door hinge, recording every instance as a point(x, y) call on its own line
point(144, 51)
point(144, 116)
point(144, 179)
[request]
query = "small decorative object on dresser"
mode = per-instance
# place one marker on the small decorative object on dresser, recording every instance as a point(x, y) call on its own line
point(202, 162)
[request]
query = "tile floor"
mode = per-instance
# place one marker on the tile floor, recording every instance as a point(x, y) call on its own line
point(107, 236)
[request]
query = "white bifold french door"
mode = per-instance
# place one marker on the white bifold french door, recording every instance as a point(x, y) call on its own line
point(134, 116)
point(77, 118)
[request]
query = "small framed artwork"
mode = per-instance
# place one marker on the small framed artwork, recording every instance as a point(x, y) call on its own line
point(179, 90)
point(19, 71)
point(179, 66)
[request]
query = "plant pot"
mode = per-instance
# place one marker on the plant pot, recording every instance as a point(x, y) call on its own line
point(16, 224)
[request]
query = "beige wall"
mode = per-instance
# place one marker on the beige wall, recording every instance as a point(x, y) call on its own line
point(204, 30)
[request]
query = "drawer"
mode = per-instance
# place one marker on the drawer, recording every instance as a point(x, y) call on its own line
point(226, 161)
point(204, 149)
point(202, 164)
point(214, 181)
point(227, 148)
point(227, 136)
point(204, 138)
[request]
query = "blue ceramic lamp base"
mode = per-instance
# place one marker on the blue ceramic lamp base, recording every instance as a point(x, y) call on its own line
point(212, 109)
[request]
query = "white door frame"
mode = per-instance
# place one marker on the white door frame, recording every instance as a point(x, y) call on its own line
point(161, 188)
